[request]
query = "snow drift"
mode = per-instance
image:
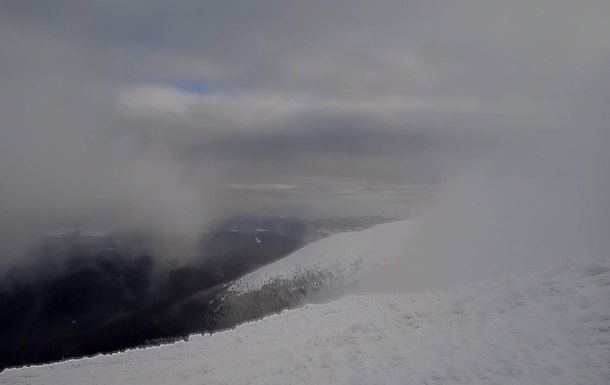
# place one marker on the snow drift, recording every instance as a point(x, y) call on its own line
point(543, 327)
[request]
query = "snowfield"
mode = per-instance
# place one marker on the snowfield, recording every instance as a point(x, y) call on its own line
point(544, 327)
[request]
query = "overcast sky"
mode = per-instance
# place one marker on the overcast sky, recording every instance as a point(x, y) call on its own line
point(117, 113)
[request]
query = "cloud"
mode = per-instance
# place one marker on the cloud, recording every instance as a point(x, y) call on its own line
point(61, 163)
point(343, 95)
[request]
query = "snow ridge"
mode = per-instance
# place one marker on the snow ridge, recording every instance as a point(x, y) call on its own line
point(316, 272)
point(345, 256)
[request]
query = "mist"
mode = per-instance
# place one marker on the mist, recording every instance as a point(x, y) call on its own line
point(66, 163)
point(528, 197)
point(142, 115)
point(154, 126)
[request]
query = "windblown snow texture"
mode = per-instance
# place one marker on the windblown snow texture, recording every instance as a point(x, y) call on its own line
point(545, 327)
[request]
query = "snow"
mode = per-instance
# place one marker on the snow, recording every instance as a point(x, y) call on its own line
point(541, 327)
point(346, 256)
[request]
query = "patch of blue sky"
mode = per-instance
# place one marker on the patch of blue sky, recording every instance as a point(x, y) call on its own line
point(198, 86)
point(192, 85)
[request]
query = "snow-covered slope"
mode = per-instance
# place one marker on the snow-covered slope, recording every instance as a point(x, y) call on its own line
point(345, 256)
point(316, 272)
point(547, 327)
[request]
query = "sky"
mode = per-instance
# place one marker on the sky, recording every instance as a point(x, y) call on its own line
point(164, 114)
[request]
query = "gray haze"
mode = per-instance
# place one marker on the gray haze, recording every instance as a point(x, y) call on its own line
point(163, 115)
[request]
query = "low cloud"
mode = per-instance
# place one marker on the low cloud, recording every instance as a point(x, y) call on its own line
point(355, 98)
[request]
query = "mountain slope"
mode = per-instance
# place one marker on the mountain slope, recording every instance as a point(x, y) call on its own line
point(546, 327)
point(345, 256)
point(318, 270)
